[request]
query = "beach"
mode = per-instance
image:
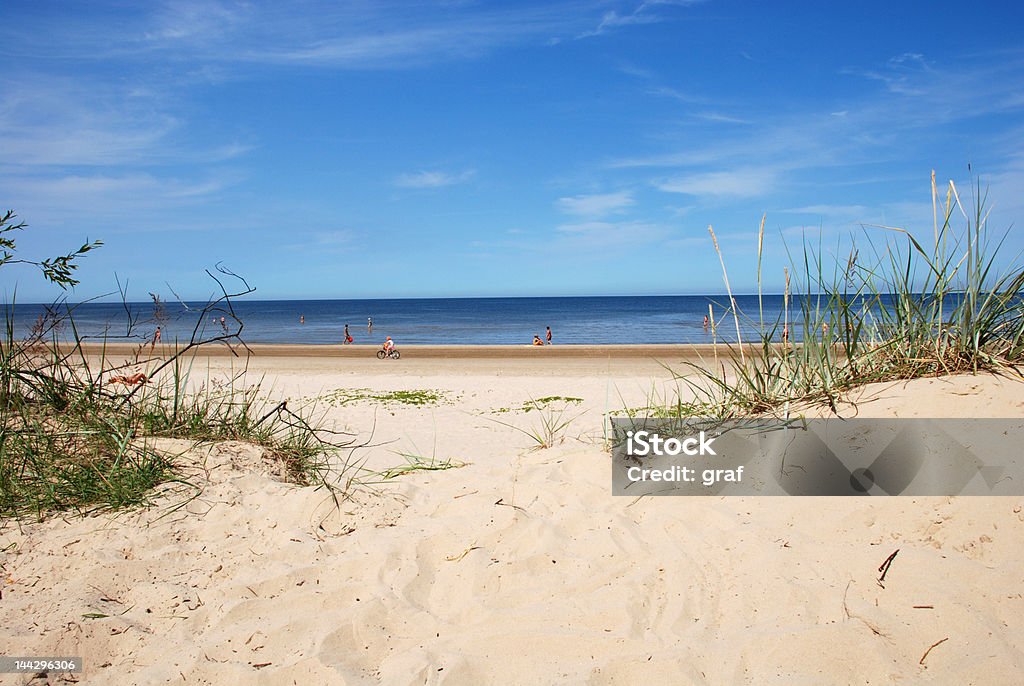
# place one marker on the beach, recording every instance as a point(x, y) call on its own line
point(514, 563)
point(465, 343)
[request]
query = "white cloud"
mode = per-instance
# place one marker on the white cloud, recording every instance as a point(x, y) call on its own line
point(599, 235)
point(829, 210)
point(433, 179)
point(719, 117)
point(676, 94)
point(329, 240)
point(349, 35)
point(182, 20)
point(641, 15)
point(884, 128)
point(597, 205)
point(144, 200)
point(747, 183)
point(613, 19)
point(57, 121)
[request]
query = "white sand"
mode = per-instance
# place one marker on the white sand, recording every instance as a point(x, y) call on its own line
point(521, 567)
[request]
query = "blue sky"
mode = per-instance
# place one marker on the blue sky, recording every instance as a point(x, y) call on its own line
point(379, 149)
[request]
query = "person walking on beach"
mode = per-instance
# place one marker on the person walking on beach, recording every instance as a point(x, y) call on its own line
point(156, 338)
point(348, 337)
point(548, 336)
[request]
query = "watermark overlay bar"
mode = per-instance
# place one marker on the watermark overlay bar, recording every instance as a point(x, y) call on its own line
point(35, 665)
point(815, 457)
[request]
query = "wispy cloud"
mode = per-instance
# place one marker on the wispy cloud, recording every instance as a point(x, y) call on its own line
point(601, 235)
point(613, 19)
point(329, 240)
point(378, 35)
point(749, 183)
point(597, 205)
point(53, 121)
point(133, 200)
point(722, 118)
point(433, 179)
point(183, 20)
point(918, 99)
point(901, 74)
point(58, 121)
point(643, 13)
point(829, 210)
point(676, 94)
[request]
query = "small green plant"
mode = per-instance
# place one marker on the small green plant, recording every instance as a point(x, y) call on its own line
point(418, 463)
point(540, 404)
point(549, 431)
point(416, 397)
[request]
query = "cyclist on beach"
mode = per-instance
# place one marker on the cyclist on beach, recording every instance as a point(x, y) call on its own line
point(389, 345)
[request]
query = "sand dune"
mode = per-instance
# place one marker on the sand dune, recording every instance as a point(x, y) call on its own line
point(520, 567)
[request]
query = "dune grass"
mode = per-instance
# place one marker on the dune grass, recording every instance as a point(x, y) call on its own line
point(72, 438)
point(900, 308)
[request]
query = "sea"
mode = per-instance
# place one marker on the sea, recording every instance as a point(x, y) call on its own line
point(437, 321)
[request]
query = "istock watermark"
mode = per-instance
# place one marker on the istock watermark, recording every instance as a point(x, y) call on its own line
point(858, 457)
point(643, 443)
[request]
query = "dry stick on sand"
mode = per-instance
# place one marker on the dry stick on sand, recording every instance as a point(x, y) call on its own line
point(501, 501)
point(728, 289)
point(884, 567)
point(937, 643)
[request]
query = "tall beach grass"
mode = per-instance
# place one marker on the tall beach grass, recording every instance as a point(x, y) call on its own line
point(897, 307)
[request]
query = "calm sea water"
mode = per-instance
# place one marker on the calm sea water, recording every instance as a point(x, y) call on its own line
point(501, 321)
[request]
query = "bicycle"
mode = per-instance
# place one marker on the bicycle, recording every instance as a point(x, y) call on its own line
point(393, 354)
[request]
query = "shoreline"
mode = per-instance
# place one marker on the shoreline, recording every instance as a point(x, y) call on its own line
point(467, 351)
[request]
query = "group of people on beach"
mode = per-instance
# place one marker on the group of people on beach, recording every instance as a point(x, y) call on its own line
point(348, 340)
point(389, 344)
point(347, 337)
